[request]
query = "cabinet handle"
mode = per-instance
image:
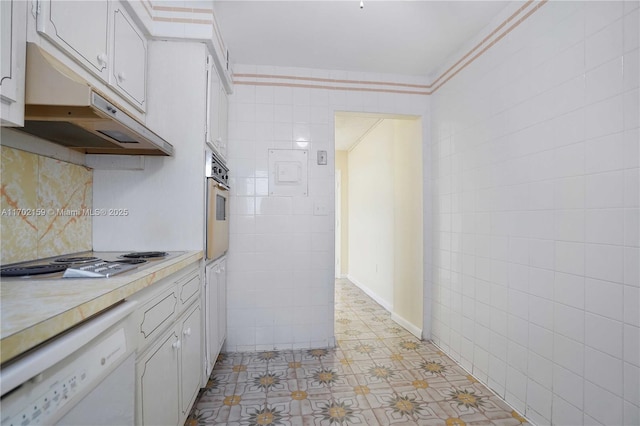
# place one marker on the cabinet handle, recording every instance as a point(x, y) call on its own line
point(102, 58)
point(121, 77)
point(176, 344)
point(187, 332)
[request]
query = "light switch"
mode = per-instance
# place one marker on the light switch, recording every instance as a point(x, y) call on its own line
point(322, 158)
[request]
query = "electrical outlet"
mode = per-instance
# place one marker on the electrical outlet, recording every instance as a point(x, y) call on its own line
point(320, 209)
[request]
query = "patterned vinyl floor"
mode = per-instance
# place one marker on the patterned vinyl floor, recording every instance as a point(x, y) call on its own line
point(378, 375)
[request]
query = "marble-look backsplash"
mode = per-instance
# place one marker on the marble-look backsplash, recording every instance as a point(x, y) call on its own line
point(43, 204)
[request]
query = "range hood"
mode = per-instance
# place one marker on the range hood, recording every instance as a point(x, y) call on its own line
point(63, 108)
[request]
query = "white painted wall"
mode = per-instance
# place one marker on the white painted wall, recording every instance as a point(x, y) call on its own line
point(408, 277)
point(385, 217)
point(536, 188)
point(281, 256)
point(371, 213)
point(342, 166)
point(165, 200)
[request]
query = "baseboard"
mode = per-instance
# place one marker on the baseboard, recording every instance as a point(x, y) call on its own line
point(416, 331)
point(407, 325)
point(385, 304)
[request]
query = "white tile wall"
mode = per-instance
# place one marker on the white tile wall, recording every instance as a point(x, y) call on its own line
point(281, 256)
point(539, 145)
point(534, 174)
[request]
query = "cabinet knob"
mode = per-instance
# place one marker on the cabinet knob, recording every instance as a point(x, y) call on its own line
point(121, 76)
point(176, 344)
point(187, 332)
point(102, 59)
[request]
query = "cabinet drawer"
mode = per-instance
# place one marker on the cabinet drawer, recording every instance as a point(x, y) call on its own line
point(188, 288)
point(157, 315)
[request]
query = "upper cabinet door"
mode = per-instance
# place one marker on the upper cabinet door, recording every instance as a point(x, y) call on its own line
point(213, 104)
point(129, 69)
point(101, 36)
point(81, 28)
point(223, 121)
point(217, 111)
point(13, 24)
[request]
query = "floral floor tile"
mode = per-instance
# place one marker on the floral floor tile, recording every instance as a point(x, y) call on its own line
point(379, 374)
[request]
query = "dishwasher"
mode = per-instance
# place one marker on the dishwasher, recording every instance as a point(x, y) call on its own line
point(86, 376)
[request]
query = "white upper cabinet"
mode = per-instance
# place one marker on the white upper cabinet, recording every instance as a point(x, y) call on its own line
point(129, 70)
point(13, 24)
point(213, 92)
point(217, 111)
point(223, 120)
point(80, 28)
point(101, 36)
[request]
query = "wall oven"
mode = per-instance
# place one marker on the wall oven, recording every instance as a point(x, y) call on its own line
point(217, 206)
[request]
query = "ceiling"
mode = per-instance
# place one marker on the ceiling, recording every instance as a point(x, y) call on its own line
point(398, 37)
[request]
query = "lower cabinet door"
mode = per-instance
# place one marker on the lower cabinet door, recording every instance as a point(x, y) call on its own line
point(158, 382)
point(211, 316)
point(222, 303)
point(191, 361)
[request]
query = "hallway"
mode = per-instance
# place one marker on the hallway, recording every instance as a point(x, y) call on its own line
point(379, 374)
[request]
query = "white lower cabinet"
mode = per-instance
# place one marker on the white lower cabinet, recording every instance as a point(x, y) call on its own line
point(170, 349)
point(215, 315)
point(168, 375)
point(222, 303)
point(191, 352)
point(158, 383)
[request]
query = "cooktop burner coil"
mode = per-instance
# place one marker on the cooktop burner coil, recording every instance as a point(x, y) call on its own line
point(128, 261)
point(145, 254)
point(21, 271)
point(76, 260)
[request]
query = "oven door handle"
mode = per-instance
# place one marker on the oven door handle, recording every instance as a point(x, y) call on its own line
point(222, 186)
point(37, 361)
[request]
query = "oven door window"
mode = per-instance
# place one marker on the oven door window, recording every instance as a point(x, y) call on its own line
point(221, 208)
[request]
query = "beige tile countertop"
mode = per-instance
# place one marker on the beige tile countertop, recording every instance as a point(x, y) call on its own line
point(35, 310)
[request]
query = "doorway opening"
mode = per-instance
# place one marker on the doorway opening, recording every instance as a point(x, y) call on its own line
point(379, 211)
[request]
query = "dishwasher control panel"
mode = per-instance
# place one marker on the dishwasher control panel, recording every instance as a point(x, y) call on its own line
point(49, 395)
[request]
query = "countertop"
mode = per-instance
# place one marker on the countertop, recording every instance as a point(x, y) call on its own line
point(35, 310)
